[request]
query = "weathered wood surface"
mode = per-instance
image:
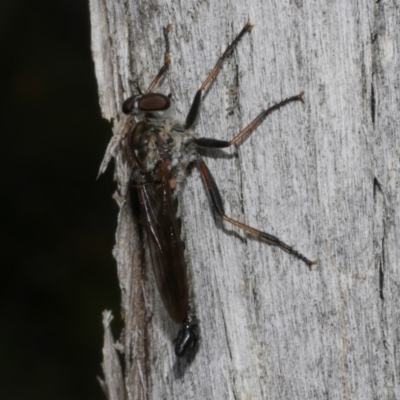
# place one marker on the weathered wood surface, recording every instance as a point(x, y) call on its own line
point(323, 177)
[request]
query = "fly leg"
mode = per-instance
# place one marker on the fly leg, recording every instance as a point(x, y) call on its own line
point(167, 60)
point(216, 200)
point(194, 108)
point(215, 143)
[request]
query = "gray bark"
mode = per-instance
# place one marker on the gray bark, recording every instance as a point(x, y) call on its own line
point(323, 177)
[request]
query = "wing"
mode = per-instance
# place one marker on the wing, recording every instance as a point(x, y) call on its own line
point(159, 218)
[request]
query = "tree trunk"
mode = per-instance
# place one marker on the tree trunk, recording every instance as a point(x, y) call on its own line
point(323, 177)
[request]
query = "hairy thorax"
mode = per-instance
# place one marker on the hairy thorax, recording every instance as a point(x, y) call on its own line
point(155, 139)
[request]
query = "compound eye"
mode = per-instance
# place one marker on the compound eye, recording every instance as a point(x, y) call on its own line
point(129, 105)
point(153, 102)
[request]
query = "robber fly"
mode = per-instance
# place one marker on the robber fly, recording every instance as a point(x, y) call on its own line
point(159, 150)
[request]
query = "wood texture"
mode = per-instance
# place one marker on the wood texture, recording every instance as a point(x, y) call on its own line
point(323, 177)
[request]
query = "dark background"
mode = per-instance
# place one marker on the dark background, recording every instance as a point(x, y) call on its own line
point(57, 220)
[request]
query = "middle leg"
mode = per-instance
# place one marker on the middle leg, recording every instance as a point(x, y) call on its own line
point(219, 144)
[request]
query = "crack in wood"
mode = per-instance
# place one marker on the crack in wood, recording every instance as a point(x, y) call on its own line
point(377, 187)
point(373, 105)
point(381, 270)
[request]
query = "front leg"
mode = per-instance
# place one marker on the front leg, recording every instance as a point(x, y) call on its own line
point(167, 60)
point(194, 108)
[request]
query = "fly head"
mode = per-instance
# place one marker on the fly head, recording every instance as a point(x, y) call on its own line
point(142, 103)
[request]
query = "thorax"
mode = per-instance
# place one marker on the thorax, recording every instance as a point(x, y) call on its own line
point(155, 140)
